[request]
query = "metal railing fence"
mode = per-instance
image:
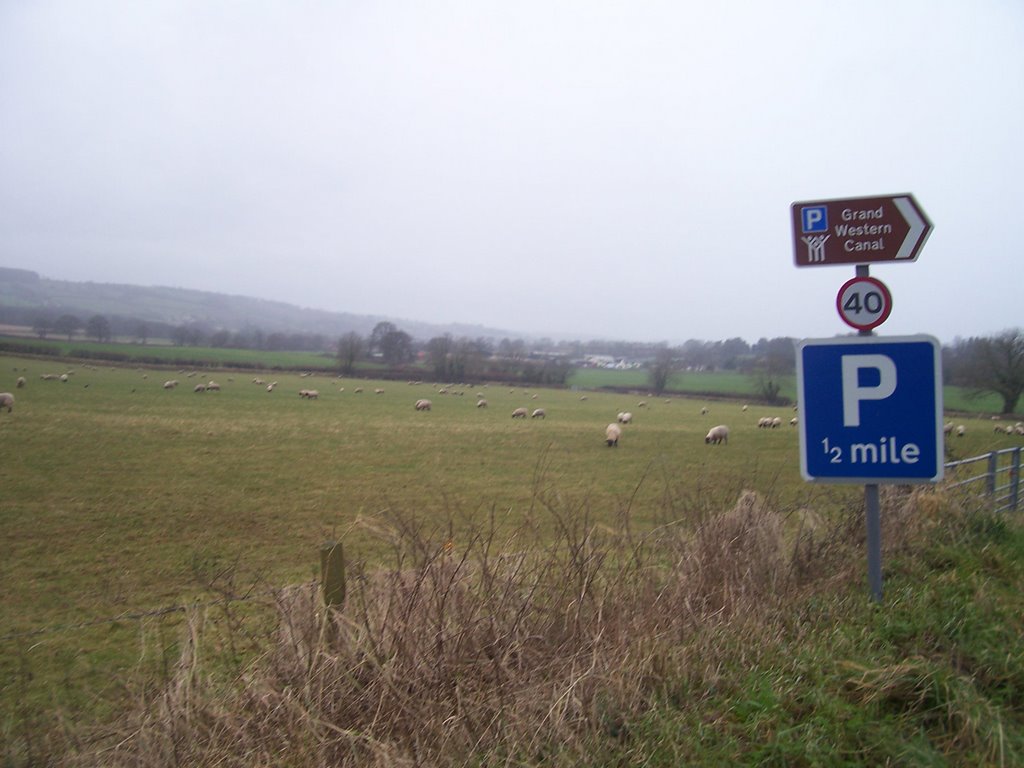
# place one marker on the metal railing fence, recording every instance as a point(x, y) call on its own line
point(995, 476)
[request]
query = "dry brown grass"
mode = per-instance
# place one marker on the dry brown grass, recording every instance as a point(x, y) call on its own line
point(523, 649)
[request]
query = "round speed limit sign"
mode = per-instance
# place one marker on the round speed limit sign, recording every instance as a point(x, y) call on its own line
point(864, 303)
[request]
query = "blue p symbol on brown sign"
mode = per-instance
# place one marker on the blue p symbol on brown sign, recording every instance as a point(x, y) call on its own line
point(814, 218)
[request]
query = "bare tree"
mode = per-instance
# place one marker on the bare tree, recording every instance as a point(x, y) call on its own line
point(350, 348)
point(378, 334)
point(41, 326)
point(66, 325)
point(660, 368)
point(775, 359)
point(98, 327)
point(439, 354)
point(396, 347)
point(995, 364)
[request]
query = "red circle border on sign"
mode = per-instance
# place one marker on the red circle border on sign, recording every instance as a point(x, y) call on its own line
point(886, 295)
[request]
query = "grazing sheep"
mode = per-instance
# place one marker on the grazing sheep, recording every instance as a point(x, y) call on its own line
point(481, 403)
point(309, 394)
point(745, 408)
point(423, 405)
point(20, 384)
point(625, 418)
point(704, 411)
point(947, 428)
point(358, 390)
point(519, 413)
point(583, 398)
point(213, 386)
point(612, 433)
point(960, 430)
point(6, 401)
point(64, 378)
point(776, 422)
point(258, 382)
point(538, 414)
point(794, 421)
point(170, 384)
point(199, 388)
point(378, 391)
point(716, 435)
point(765, 422)
point(641, 404)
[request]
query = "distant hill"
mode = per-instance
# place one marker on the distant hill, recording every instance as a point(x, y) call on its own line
point(25, 295)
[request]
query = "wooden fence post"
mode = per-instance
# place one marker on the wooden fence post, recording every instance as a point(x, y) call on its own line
point(332, 574)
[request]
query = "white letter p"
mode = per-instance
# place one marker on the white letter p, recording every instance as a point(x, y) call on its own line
point(853, 393)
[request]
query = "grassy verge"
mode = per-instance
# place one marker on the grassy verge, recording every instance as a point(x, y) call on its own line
point(713, 639)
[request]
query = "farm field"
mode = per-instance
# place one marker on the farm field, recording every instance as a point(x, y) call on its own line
point(122, 498)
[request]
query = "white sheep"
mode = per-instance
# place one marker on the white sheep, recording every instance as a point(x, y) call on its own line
point(960, 430)
point(20, 384)
point(423, 405)
point(6, 401)
point(776, 422)
point(704, 411)
point(612, 433)
point(378, 391)
point(481, 403)
point(538, 414)
point(765, 422)
point(519, 413)
point(170, 384)
point(794, 421)
point(947, 428)
point(625, 417)
point(309, 394)
point(199, 388)
point(213, 386)
point(716, 435)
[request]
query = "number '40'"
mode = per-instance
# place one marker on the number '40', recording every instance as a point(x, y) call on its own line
point(872, 302)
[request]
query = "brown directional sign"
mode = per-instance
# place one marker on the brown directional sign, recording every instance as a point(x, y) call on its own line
point(858, 230)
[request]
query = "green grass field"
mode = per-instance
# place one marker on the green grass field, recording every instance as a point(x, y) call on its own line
point(121, 498)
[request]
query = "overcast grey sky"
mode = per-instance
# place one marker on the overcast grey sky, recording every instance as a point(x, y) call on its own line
point(581, 168)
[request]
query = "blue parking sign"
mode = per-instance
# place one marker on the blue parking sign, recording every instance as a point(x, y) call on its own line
point(870, 409)
point(814, 218)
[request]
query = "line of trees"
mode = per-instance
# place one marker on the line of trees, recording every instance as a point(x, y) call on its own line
point(984, 364)
point(767, 362)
